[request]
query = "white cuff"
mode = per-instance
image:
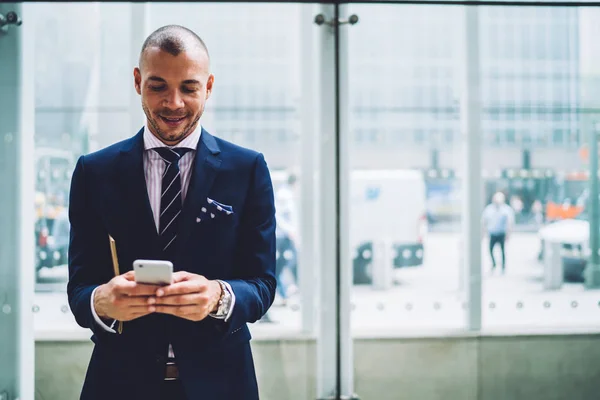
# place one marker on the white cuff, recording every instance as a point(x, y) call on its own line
point(230, 311)
point(97, 318)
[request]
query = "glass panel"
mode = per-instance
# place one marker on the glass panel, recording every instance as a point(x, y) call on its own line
point(404, 188)
point(544, 177)
point(10, 137)
point(405, 194)
point(256, 59)
point(82, 68)
point(85, 101)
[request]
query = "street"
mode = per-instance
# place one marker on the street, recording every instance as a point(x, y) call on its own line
point(425, 298)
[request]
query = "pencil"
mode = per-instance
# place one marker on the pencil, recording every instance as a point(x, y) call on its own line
point(115, 261)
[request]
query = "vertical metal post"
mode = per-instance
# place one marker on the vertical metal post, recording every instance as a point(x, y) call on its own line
point(16, 202)
point(309, 139)
point(334, 341)
point(471, 133)
point(344, 270)
point(592, 271)
point(327, 350)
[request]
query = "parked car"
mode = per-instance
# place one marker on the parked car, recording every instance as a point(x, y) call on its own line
point(573, 234)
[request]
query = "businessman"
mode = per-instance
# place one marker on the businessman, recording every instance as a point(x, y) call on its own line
point(172, 192)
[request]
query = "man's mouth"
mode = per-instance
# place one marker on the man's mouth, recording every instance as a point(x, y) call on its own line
point(173, 121)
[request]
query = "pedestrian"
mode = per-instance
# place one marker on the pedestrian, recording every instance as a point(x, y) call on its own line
point(498, 220)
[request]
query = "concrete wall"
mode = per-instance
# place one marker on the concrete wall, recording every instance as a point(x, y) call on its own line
point(482, 368)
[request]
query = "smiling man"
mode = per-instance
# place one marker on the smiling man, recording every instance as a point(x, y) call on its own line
point(172, 192)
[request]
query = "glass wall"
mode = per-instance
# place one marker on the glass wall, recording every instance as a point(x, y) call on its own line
point(405, 192)
point(83, 79)
point(538, 79)
point(539, 106)
point(534, 66)
point(85, 101)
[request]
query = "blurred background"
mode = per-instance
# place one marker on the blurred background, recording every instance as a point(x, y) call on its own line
point(441, 107)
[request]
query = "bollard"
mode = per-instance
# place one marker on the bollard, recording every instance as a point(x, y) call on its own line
point(382, 264)
point(553, 265)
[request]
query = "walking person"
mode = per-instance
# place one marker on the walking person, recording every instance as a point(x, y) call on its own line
point(498, 220)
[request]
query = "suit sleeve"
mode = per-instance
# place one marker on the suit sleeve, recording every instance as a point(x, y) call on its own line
point(255, 254)
point(85, 248)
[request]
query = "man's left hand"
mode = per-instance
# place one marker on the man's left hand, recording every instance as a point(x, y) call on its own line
point(190, 296)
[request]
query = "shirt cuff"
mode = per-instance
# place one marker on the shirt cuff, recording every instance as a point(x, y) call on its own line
point(230, 311)
point(97, 318)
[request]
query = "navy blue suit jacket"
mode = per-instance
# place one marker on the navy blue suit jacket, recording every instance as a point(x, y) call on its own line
point(109, 196)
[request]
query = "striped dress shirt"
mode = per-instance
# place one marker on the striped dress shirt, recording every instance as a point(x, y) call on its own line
point(154, 167)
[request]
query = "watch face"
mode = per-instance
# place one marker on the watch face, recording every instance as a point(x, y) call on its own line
point(225, 301)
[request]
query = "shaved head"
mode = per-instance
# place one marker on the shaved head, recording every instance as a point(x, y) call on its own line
point(173, 39)
point(174, 82)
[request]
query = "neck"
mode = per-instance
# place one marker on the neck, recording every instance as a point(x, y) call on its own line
point(172, 142)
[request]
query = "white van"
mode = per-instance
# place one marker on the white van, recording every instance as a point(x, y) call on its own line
point(388, 205)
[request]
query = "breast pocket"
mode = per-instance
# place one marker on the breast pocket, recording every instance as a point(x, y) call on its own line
point(214, 230)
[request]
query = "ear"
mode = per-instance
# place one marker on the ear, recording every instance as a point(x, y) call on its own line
point(137, 80)
point(209, 85)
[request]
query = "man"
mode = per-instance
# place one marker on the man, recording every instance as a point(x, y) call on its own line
point(498, 219)
point(172, 192)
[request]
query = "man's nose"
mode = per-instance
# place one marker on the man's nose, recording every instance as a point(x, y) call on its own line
point(174, 100)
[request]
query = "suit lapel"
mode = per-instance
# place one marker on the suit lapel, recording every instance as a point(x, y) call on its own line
point(206, 166)
point(133, 182)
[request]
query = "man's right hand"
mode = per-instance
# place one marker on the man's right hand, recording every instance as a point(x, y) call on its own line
point(123, 299)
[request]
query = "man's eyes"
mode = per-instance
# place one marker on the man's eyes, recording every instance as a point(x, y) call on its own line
point(161, 88)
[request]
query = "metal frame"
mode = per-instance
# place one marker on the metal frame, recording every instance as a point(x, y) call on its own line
point(309, 144)
point(334, 341)
point(328, 212)
point(470, 119)
point(17, 172)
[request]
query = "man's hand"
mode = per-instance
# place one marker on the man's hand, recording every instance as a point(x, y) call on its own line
point(123, 299)
point(190, 296)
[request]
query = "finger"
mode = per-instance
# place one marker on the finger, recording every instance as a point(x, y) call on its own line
point(181, 276)
point(138, 309)
point(134, 301)
point(129, 275)
point(184, 287)
point(182, 299)
point(139, 289)
point(179, 311)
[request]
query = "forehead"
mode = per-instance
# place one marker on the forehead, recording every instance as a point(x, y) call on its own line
point(185, 65)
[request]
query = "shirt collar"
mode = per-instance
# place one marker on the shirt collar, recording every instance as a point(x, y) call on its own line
point(190, 142)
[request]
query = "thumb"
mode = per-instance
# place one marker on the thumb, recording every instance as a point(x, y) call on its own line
point(129, 275)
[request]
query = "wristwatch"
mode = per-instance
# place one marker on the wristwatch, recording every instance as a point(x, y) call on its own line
point(224, 302)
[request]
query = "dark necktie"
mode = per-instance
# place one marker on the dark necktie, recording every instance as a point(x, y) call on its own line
point(170, 200)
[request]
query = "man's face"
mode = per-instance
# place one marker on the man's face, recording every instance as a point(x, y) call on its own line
point(174, 90)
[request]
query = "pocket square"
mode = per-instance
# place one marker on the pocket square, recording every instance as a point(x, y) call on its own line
point(219, 206)
point(213, 209)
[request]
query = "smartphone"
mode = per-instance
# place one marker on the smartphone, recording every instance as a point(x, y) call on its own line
point(153, 272)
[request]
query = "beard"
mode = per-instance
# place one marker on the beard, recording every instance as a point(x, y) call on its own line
point(174, 136)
